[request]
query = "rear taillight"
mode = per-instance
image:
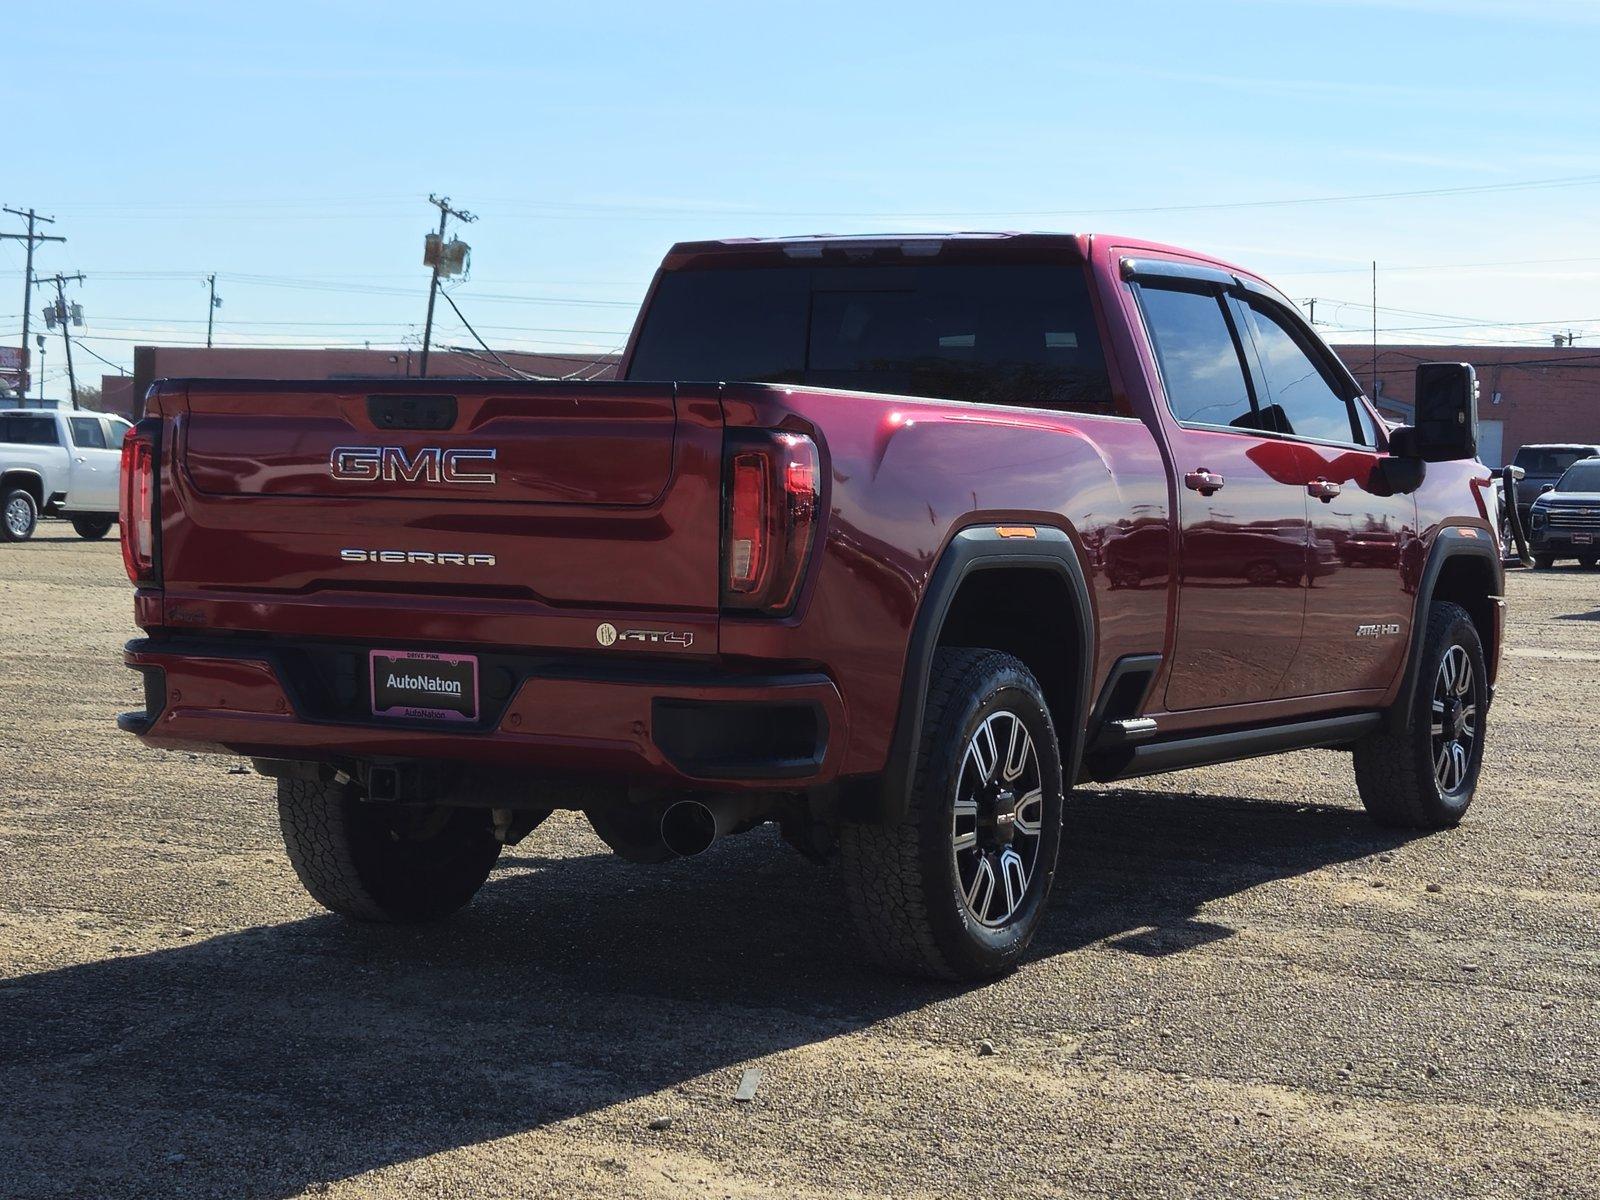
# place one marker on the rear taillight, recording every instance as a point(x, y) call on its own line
point(773, 489)
point(137, 507)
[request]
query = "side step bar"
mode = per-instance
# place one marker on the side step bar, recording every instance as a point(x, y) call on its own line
point(1153, 758)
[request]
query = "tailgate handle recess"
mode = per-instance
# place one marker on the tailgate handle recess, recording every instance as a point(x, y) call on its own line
point(412, 412)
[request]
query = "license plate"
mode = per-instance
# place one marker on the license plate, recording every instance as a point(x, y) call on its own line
point(1582, 539)
point(417, 685)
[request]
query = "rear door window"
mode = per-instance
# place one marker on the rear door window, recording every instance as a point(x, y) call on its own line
point(88, 433)
point(1201, 370)
point(29, 430)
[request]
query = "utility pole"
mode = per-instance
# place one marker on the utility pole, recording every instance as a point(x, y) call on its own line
point(211, 309)
point(1374, 329)
point(433, 255)
point(68, 318)
point(32, 239)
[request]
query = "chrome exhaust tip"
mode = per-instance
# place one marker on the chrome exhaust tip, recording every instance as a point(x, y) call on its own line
point(688, 827)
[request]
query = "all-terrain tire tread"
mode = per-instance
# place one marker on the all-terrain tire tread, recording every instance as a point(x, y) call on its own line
point(1389, 771)
point(883, 863)
point(321, 848)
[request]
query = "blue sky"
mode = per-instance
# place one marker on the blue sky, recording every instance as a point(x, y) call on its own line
point(291, 149)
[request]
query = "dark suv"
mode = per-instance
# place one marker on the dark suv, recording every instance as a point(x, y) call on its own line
point(1543, 464)
point(1565, 518)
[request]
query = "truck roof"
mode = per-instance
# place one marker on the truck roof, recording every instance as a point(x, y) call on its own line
point(967, 245)
point(960, 245)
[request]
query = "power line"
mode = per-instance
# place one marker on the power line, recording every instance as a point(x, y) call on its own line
point(89, 350)
point(448, 299)
point(605, 210)
point(1511, 262)
point(672, 212)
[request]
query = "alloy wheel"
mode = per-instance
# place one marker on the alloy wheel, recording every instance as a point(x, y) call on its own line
point(1455, 721)
point(998, 818)
point(17, 516)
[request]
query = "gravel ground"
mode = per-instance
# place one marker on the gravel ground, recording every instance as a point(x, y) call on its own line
point(1244, 989)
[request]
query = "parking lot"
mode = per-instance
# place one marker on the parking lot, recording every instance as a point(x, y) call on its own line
point(1245, 988)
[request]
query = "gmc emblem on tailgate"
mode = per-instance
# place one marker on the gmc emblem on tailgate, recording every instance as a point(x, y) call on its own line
point(391, 464)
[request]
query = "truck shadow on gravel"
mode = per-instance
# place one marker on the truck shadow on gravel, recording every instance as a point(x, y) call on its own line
point(266, 1061)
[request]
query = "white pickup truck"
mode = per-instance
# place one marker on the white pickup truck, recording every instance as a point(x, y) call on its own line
point(59, 464)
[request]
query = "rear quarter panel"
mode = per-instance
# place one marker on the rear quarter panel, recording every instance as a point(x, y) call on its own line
point(903, 476)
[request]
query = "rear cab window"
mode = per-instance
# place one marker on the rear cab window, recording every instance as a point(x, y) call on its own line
point(1007, 334)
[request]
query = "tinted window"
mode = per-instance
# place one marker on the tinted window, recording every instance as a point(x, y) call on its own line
point(726, 325)
point(1200, 366)
point(29, 430)
point(1300, 397)
point(1013, 335)
point(1584, 477)
point(1548, 461)
point(88, 432)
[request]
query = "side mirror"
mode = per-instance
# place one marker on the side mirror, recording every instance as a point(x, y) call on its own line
point(1446, 425)
point(1549, 487)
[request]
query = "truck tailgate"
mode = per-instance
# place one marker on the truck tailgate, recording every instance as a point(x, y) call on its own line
point(517, 513)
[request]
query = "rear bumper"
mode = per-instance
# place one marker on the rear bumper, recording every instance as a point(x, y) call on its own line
point(651, 722)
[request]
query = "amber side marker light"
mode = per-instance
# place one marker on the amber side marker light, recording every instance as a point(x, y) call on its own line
point(1016, 531)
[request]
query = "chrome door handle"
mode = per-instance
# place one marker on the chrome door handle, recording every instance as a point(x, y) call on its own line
point(1323, 489)
point(1203, 481)
point(80, 459)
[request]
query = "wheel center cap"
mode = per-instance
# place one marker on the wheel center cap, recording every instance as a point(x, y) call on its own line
point(1005, 815)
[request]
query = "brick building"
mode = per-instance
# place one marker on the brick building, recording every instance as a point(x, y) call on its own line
point(1529, 393)
point(122, 393)
point(1526, 393)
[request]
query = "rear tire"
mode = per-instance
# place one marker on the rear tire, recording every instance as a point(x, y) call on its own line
point(19, 516)
point(1587, 561)
point(957, 886)
point(1424, 777)
point(1544, 561)
point(383, 862)
point(93, 528)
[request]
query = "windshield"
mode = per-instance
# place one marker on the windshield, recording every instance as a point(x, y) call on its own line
point(1550, 460)
point(1584, 477)
point(1005, 334)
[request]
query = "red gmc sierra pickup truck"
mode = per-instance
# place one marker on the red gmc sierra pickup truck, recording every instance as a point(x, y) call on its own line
point(887, 540)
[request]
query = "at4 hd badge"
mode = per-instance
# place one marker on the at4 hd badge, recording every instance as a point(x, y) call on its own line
point(608, 634)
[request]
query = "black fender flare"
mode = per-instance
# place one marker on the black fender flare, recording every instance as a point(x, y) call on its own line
point(973, 549)
point(1450, 543)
